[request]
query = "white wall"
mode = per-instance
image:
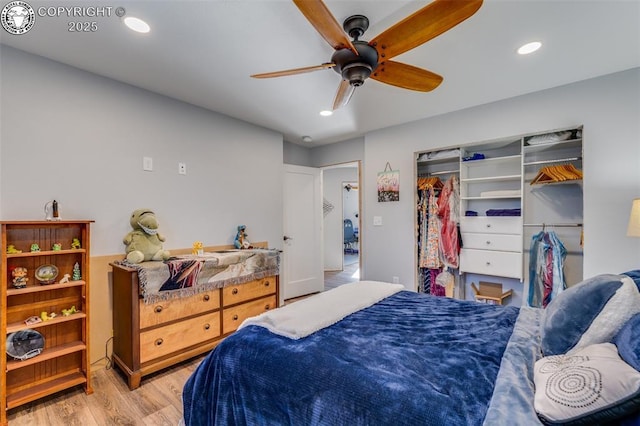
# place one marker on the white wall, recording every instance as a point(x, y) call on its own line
point(80, 138)
point(609, 109)
point(332, 180)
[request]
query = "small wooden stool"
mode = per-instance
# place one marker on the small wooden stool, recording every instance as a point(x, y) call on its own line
point(490, 292)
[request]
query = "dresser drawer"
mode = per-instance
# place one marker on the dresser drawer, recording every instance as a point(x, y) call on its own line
point(178, 335)
point(492, 224)
point(174, 309)
point(487, 262)
point(499, 242)
point(257, 288)
point(233, 317)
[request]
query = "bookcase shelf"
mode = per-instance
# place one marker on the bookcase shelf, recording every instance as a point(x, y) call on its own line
point(64, 360)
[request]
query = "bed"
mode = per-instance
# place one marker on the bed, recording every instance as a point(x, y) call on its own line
point(371, 353)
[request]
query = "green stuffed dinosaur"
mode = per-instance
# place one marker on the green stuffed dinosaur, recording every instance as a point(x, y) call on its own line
point(144, 242)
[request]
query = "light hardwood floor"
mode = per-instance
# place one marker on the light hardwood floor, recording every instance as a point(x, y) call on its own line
point(158, 401)
point(350, 273)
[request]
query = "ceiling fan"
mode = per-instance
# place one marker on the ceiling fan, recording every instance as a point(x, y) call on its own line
point(356, 60)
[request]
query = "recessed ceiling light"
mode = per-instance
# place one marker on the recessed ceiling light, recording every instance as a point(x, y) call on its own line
point(326, 113)
point(137, 24)
point(529, 48)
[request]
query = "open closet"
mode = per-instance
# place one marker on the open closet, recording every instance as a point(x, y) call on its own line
point(519, 214)
point(437, 215)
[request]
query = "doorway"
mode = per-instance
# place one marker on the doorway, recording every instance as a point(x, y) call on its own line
point(341, 231)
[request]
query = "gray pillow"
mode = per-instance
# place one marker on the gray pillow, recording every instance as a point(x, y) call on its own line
point(592, 311)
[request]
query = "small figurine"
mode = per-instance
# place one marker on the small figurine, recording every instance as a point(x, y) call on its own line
point(46, 317)
point(56, 247)
point(241, 241)
point(35, 247)
point(71, 310)
point(51, 211)
point(19, 275)
point(75, 244)
point(197, 248)
point(11, 249)
point(76, 272)
point(65, 279)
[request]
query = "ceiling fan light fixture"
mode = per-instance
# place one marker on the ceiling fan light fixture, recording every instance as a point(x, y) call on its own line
point(326, 113)
point(356, 73)
point(529, 47)
point(307, 139)
point(137, 24)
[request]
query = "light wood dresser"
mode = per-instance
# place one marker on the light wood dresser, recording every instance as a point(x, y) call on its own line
point(150, 337)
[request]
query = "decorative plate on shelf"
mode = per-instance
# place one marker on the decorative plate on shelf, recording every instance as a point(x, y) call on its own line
point(47, 274)
point(24, 344)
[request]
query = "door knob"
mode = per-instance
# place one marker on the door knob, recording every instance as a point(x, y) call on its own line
point(286, 238)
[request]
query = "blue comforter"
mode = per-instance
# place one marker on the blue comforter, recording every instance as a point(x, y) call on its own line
point(409, 359)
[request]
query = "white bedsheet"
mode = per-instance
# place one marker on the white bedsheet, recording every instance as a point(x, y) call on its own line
point(302, 318)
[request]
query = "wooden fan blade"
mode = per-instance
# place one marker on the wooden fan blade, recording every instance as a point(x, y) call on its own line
point(425, 24)
point(343, 96)
point(294, 71)
point(406, 76)
point(325, 23)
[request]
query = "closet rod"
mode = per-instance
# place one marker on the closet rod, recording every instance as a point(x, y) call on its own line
point(564, 225)
point(561, 160)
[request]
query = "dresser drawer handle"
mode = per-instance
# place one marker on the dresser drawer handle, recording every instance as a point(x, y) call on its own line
point(488, 242)
point(234, 291)
point(158, 309)
point(207, 326)
point(488, 225)
point(159, 342)
point(235, 318)
point(488, 263)
point(266, 283)
point(267, 306)
point(206, 298)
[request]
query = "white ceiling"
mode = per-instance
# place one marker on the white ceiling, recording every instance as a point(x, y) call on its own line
point(202, 52)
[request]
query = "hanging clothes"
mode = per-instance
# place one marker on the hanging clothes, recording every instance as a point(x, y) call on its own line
point(432, 247)
point(449, 214)
point(546, 268)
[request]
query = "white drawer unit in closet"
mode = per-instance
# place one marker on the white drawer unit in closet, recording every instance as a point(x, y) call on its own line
point(492, 224)
point(492, 245)
point(488, 262)
point(499, 242)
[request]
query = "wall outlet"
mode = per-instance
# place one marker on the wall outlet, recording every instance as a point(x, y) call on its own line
point(182, 168)
point(147, 164)
point(377, 221)
point(396, 280)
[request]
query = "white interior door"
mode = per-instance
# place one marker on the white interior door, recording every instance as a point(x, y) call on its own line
point(302, 248)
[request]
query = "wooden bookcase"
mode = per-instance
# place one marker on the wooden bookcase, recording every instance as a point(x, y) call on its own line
point(64, 362)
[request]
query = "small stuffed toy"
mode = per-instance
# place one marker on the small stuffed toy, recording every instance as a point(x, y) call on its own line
point(241, 241)
point(144, 242)
point(19, 275)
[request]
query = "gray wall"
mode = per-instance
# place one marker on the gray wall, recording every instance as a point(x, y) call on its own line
point(296, 154)
point(80, 138)
point(337, 153)
point(609, 109)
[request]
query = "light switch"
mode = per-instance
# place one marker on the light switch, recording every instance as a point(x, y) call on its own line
point(182, 168)
point(377, 221)
point(147, 164)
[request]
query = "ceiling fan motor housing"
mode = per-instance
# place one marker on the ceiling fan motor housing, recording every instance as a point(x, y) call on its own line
point(356, 68)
